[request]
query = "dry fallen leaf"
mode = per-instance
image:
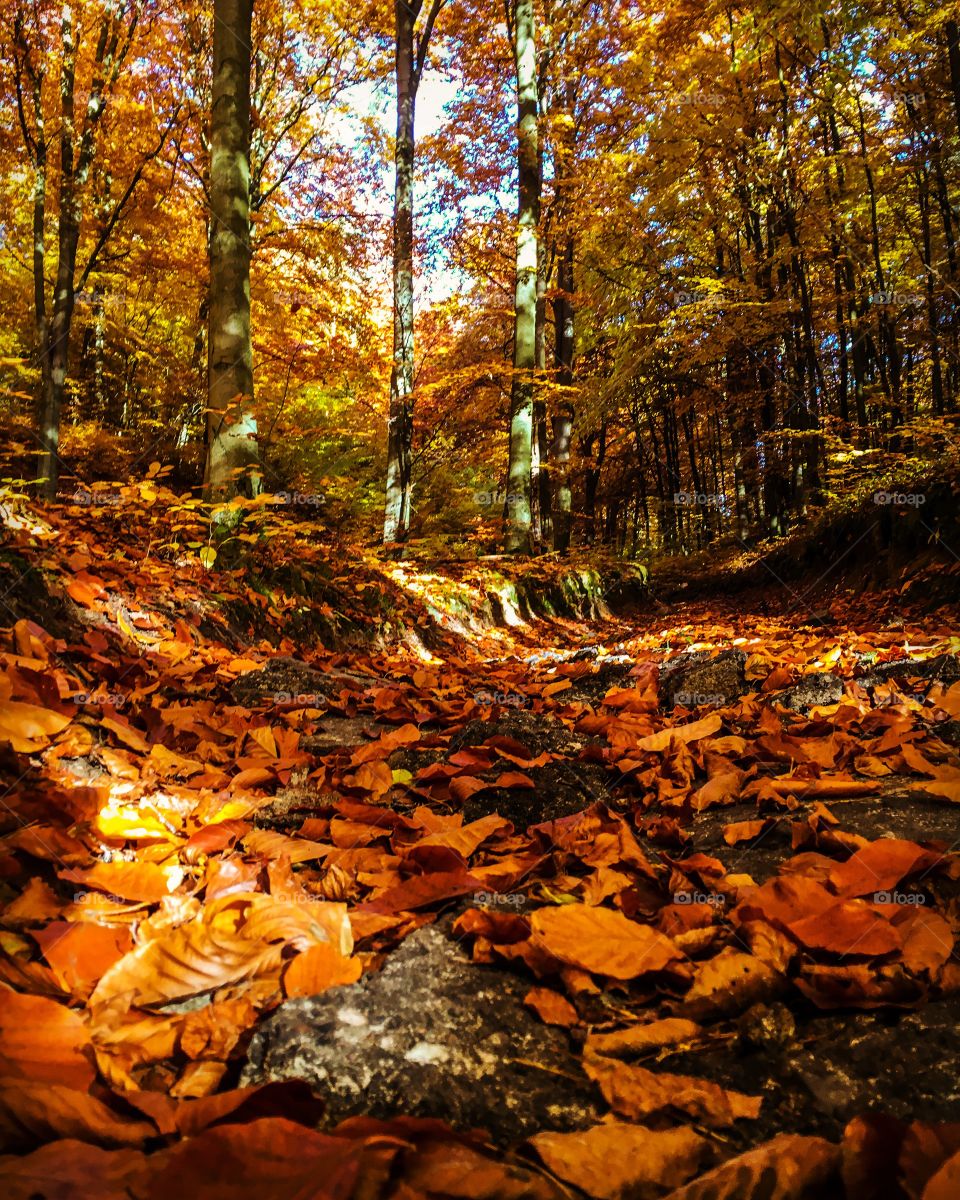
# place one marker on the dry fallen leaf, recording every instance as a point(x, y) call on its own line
point(602, 941)
point(636, 1093)
point(616, 1161)
point(789, 1167)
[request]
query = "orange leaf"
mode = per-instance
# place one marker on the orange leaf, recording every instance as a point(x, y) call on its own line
point(602, 941)
point(318, 968)
point(43, 1041)
point(551, 1007)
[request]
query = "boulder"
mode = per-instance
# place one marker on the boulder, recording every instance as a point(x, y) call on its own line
point(430, 1035)
point(696, 680)
point(289, 681)
point(820, 688)
point(942, 667)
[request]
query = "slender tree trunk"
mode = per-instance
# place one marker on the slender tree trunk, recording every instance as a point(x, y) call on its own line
point(400, 428)
point(232, 454)
point(54, 349)
point(563, 415)
point(953, 56)
point(563, 325)
point(518, 515)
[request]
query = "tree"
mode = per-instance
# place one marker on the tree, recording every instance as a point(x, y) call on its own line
point(411, 55)
point(518, 517)
point(232, 453)
point(38, 39)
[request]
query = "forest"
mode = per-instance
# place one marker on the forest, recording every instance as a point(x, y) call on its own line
point(479, 599)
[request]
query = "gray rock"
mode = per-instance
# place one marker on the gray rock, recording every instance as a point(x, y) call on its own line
point(945, 667)
point(430, 1035)
point(697, 680)
point(812, 690)
point(947, 731)
point(535, 732)
point(561, 788)
point(288, 681)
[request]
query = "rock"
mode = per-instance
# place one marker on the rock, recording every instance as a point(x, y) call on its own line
point(430, 1035)
point(770, 1025)
point(291, 806)
point(611, 671)
point(820, 620)
point(947, 731)
point(340, 733)
point(944, 667)
point(289, 681)
point(561, 789)
point(818, 689)
point(535, 732)
point(699, 679)
point(282, 680)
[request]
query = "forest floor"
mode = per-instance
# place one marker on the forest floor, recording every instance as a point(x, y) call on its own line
point(664, 904)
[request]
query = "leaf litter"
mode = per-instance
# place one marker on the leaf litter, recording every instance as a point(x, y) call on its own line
point(727, 884)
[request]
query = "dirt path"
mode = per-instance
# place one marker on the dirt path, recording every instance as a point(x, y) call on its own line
point(692, 874)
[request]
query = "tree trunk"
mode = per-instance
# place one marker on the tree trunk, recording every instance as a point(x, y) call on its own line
point(232, 454)
point(517, 514)
point(953, 56)
point(396, 519)
point(563, 415)
point(563, 324)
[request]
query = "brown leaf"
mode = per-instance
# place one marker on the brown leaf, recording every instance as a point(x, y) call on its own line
point(185, 962)
point(637, 1093)
point(72, 1170)
point(638, 1039)
point(729, 983)
point(32, 1113)
point(616, 1161)
point(848, 928)
point(880, 866)
point(602, 941)
point(43, 1041)
point(452, 1169)
point(683, 734)
point(271, 1158)
point(80, 953)
point(142, 881)
point(787, 1168)
point(318, 968)
point(551, 1007)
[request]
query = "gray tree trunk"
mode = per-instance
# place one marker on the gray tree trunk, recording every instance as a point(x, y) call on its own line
point(396, 517)
point(411, 56)
point(517, 517)
point(232, 453)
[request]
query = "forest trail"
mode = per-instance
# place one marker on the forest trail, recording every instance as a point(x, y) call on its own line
point(684, 879)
